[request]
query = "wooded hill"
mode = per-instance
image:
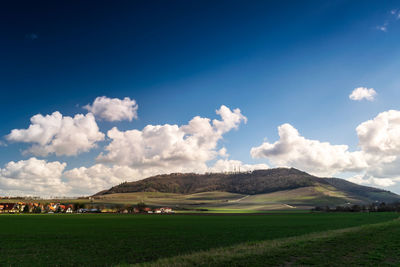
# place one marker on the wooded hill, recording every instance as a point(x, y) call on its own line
point(250, 183)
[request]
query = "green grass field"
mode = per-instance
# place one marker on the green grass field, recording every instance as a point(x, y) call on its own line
point(112, 239)
point(366, 245)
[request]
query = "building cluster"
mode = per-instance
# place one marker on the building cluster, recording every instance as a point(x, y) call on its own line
point(21, 207)
point(147, 210)
point(160, 210)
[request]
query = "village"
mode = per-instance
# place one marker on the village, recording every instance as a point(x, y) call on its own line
point(51, 208)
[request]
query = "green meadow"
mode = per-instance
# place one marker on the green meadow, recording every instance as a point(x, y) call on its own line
point(115, 239)
point(365, 245)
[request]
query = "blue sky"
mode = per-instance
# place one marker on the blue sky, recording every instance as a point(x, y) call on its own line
point(278, 62)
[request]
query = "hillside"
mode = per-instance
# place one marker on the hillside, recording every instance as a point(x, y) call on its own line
point(280, 185)
point(256, 182)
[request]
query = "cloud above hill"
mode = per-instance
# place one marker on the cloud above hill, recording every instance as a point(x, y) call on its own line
point(58, 134)
point(378, 157)
point(381, 135)
point(32, 177)
point(98, 177)
point(320, 158)
point(171, 148)
point(113, 109)
point(370, 180)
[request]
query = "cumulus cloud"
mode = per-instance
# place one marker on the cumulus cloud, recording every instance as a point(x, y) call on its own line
point(361, 93)
point(98, 177)
point(370, 180)
point(113, 109)
point(32, 177)
point(62, 135)
point(170, 148)
point(319, 158)
point(380, 139)
point(384, 167)
point(230, 120)
point(381, 135)
point(378, 157)
point(36, 177)
point(384, 182)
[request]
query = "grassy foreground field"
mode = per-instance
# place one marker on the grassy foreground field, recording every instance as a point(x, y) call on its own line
point(111, 239)
point(367, 245)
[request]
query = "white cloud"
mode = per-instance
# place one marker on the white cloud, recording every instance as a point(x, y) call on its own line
point(319, 158)
point(36, 177)
point(381, 135)
point(113, 109)
point(59, 134)
point(379, 138)
point(32, 177)
point(87, 181)
point(384, 182)
point(370, 180)
point(378, 157)
point(358, 179)
point(361, 93)
point(230, 120)
point(384, 167)
point(171, 148)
